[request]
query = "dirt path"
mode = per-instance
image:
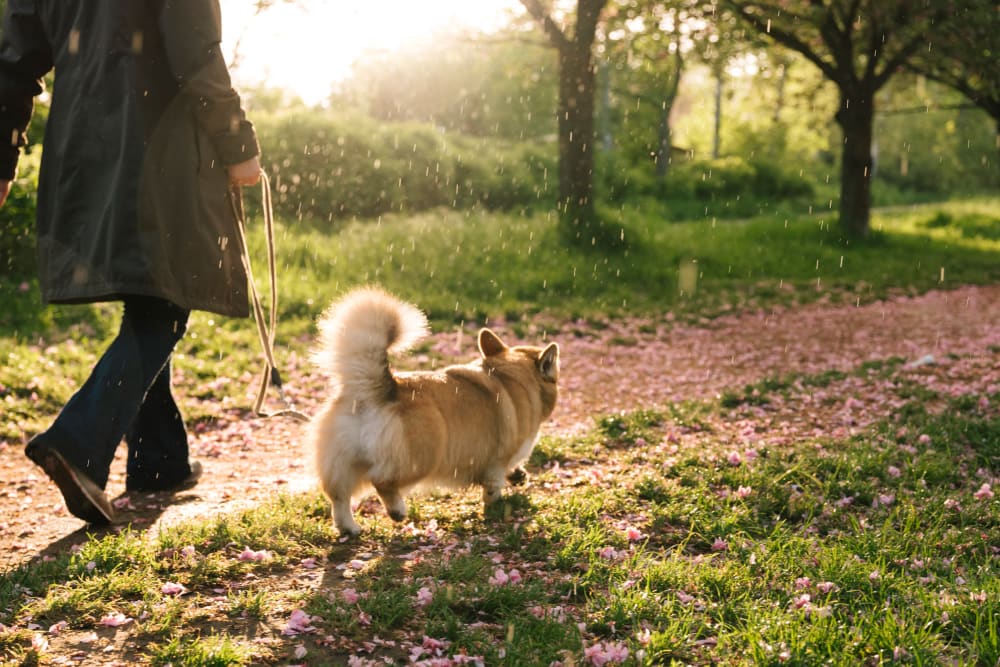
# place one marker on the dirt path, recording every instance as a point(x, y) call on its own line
point(628, 365)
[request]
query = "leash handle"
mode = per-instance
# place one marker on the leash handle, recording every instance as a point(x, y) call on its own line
point(265, 330)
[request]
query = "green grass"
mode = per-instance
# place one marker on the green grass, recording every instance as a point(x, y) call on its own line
point(668, 562)
point(481, 267)
point(472, 266)
point(714, 576)
point(212, 651)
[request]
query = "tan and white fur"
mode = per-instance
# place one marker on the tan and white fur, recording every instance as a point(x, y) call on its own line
point(470, 424)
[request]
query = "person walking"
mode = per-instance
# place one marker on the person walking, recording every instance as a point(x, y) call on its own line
point(144, 139)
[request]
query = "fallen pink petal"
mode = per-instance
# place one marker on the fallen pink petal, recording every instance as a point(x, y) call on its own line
point(633, 534)
point(249, 554)
point(173, 588)
point(298, 623)
point(115, 619)
point(424, 596)
point(499, 578)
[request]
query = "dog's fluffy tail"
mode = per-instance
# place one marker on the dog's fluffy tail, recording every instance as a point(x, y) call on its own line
point(357, 333)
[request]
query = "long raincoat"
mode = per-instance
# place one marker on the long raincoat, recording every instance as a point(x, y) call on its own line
point(133, 188)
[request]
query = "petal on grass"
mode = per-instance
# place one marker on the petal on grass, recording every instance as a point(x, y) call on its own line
point(115, 619)
point(173, 588)
point(298, 623)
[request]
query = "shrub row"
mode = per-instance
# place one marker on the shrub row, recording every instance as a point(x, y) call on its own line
point(342, 166)
point(707, 180)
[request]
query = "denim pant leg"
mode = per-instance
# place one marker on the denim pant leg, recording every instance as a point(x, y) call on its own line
point(93, 422)
point(157, 441)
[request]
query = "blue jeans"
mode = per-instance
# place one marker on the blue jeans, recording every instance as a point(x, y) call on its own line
point(128, 395)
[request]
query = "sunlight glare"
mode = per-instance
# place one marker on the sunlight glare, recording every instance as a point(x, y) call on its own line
point(306, 47)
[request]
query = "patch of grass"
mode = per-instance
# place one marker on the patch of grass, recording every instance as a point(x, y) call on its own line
point(250, 603)
point(969, 224)
point(475, 266)
point(285, 527)
point(210, 651)
point(750, 395)
point(625, 430)
point(869, 548)
point(878, 547)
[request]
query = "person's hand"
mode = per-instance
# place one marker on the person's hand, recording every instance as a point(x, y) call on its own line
point(4, 190)
point(244, 173)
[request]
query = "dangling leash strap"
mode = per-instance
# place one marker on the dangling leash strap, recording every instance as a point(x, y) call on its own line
point(265, 330)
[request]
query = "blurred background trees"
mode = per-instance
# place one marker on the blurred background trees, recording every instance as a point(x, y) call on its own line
point(683, 108)
point(726, 106)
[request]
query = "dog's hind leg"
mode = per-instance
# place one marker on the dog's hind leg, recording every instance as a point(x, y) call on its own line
point(394, 504)
point(517, 476)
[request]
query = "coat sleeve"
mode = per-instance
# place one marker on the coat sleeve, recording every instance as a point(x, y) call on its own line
point(192, 35)
point(25, 57)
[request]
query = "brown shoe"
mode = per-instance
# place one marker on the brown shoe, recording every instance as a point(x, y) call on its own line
point(84, 499)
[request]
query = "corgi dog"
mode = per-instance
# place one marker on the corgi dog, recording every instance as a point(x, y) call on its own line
point(470, 424)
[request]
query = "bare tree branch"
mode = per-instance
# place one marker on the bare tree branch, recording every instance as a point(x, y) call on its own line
point(541, 14)
point(784, 38)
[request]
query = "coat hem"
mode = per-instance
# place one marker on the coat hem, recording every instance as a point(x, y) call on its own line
point(232, 309)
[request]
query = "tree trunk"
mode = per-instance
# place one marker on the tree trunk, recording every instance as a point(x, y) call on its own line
point(576, 118)
point(856, 117)
point(663, 149)
point(604, 114)
point(779, 104)
point(717, 130)
point(576, 143)
point(996, 117)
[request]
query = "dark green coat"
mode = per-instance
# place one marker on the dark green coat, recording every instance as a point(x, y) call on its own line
point(132, 195)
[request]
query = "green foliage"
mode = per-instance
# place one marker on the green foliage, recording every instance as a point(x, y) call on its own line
point(727, 187)
point(732, 178)
point(17, 221)
point(923, 149)
point(337, 167)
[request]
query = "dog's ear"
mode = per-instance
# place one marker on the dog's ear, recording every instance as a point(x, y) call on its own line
point(490, 344)
point(548, 362)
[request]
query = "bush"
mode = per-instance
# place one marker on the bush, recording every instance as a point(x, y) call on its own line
point(969, 225)
point(17, 220)
point(732, 177)
point(330, 166)
point(703, 181)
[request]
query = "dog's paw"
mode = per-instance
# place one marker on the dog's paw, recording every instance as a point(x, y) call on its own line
point(517, 476)
point(349, 531)
point(396, 514)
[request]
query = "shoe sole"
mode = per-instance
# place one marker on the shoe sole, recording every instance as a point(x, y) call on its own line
point(83, 498)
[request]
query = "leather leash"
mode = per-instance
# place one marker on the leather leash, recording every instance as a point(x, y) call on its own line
point(265, 330)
